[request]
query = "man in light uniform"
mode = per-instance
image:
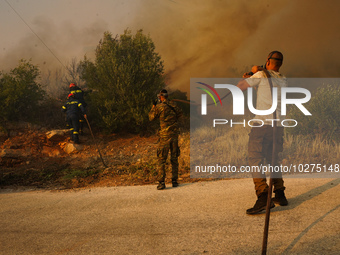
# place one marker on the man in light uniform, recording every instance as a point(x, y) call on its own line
point(261, 136)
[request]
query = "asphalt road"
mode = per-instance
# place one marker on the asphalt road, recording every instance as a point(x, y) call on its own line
point(198, 218)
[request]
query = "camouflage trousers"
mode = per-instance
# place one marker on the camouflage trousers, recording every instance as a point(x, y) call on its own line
point(166, 145)
point(260, 148)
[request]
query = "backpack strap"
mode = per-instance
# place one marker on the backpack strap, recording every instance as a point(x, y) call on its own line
point(269, 77)
point(274, 154)
point(173, 109)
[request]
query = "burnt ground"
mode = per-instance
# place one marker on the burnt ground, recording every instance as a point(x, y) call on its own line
point(29, 159)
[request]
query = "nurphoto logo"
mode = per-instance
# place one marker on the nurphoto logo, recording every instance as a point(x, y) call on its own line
point(224, 115)
point(280, 95)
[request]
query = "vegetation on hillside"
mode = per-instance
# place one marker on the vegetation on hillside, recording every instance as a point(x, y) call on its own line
point(122, 81)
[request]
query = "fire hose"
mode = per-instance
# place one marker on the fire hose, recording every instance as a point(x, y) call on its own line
point(188, 102)
point(94, 140)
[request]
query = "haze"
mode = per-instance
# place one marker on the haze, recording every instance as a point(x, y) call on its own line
point(195, 38)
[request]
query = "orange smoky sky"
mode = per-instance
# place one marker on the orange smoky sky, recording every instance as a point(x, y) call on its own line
point(225, 38)
point(195, 38)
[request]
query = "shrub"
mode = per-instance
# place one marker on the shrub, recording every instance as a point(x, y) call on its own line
point(20, 93)
point(125, 78)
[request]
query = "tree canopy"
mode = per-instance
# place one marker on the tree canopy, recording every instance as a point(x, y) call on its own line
point(20, 93)
point(125, 77)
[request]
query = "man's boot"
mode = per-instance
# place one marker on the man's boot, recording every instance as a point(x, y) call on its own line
point(280, 198)
point(261, 204)
point(75, 138)
point(161, 185)
point(174, 183)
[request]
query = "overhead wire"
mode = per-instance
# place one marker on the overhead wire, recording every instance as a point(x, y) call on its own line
point(41, 40)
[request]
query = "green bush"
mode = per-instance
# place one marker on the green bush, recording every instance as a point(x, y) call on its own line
point(20, 93)
point(124, 78)
point(325, 119)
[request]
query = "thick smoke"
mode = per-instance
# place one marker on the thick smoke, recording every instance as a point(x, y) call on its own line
point(215, 38)
point(63, 42)
point(225, 38)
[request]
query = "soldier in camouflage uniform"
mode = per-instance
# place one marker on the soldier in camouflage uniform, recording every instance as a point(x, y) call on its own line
point(168, 113)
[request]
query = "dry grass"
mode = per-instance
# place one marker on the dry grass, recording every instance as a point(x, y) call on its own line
point(301, 149)
point(229, 146)
point(223, 146)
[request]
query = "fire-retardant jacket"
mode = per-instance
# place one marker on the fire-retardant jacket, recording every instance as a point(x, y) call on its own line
point(78, 94)
point(73, 107)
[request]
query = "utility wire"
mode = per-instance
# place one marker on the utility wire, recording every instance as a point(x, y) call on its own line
point(35, 34)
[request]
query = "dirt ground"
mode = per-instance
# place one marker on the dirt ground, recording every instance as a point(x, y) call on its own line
point(28, 158)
